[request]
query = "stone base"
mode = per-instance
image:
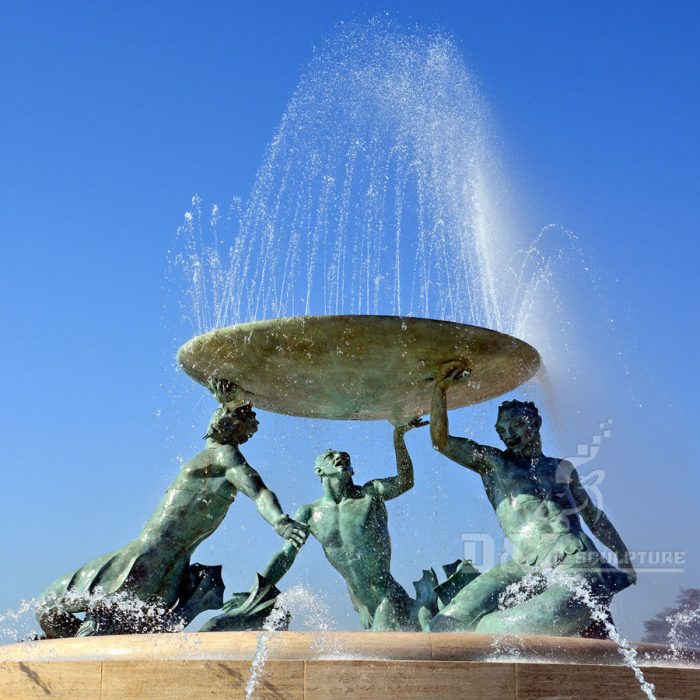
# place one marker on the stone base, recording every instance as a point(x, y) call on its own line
point(371, 665)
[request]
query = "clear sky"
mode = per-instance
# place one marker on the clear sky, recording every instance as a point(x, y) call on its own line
point(115, 113)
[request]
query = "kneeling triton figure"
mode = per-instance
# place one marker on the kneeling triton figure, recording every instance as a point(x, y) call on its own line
point(538, 501)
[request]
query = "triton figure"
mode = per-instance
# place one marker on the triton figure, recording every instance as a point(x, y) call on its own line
point(539, 502)
point(351, 523)
point(150, 584)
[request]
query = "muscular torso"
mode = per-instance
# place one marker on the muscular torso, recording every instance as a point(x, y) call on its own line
point(152, 565)
point(355, 538)
point(195, 503)
point(534, 506)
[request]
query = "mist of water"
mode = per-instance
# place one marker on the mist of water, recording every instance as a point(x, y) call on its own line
point(20, 624)
point(683, 630)
point(381, 192)
point(306, 608)
point(377, 194)
point(581, 590)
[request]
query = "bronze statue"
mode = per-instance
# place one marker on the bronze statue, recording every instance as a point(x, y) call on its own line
point(150, 584)
point(538, 501)
point(351, 523)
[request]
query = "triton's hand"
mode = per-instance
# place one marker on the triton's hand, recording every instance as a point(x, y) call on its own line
point(403, 425)
point(449, 372)
point(224, 390)
point(293, 531)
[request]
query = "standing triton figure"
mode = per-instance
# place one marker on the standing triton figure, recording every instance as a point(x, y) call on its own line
point(351, 523)
point(538, 501)
point(150, 585)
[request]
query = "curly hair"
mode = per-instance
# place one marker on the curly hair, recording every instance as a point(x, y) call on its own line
point(527, 407)
point(225, 419)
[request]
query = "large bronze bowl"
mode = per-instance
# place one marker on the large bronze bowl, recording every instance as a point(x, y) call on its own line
point(357, 367)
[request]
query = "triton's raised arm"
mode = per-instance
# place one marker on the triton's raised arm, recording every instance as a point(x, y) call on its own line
point(394, 486)
point(466, 452)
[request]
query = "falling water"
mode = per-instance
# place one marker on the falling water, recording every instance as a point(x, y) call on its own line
point(681, 623)
point(531, 584)
point(274, 622)
point(375, 196)
point(19, 624)
point(381, 192)
point(14, 626)
point(301, 605)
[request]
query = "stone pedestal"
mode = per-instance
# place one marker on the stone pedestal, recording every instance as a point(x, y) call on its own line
point(367, 665)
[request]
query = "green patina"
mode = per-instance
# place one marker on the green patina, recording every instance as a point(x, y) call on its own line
point(120, 591)
point(351, 524)
point(151, 585)
point(540, 503)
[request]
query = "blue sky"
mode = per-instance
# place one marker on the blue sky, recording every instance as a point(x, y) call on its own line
point(115, 114)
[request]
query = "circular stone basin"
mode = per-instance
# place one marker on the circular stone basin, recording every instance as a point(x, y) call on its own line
point(332, 665)
point(357, 367)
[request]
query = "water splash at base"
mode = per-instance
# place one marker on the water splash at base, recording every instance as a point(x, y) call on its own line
point(311, 611)
point(520, 592)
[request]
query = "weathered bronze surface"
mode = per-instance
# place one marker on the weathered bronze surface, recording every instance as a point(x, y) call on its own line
point(351, 523)
point(150, 585)
point(357, 367)
point(557, 582)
